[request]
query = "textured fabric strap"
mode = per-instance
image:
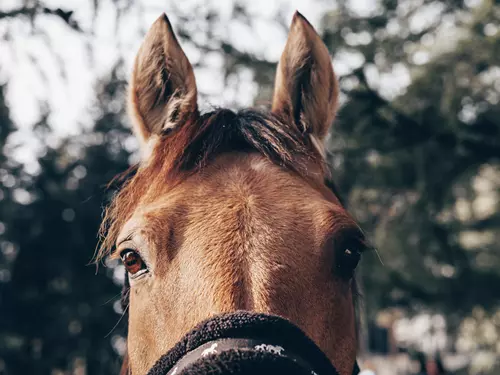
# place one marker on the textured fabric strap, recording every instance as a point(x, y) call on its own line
point(218, 346)
point(245, 342)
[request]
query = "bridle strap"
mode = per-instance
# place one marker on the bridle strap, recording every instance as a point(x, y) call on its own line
point(219, 346)
point(242, 344)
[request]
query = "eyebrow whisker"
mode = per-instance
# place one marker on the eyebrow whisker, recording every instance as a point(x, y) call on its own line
point(127, 238)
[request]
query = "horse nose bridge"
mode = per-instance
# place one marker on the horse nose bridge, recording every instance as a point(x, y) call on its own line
point(238, 252)
point(237, 232)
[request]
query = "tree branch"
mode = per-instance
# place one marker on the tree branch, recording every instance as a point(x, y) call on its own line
point(410, 132)
point(490, 223)
point(31, 12)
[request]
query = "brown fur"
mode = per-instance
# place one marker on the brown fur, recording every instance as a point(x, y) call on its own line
point(306, 90)
point(163, 85)
point(231, 211)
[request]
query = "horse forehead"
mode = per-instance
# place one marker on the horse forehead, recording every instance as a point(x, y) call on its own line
point(249, 179)
point(234, 181)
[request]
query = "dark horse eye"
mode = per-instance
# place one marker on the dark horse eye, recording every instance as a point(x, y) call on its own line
point(132, 262)
point(347, 261)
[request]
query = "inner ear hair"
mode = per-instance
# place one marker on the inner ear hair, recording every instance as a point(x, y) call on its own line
point(163, 92)
point(306, 89)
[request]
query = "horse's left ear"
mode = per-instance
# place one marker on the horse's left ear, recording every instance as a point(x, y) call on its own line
point(163, 89)
point(306, 89)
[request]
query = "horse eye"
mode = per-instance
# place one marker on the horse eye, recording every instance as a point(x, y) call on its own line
point(132, 262)
point(348, 261)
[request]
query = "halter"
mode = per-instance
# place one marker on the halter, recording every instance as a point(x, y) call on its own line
point(218, 347)
point(245, 343)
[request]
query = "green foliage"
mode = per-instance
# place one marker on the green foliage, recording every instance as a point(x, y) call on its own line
point(413, 159)
point(56, 310)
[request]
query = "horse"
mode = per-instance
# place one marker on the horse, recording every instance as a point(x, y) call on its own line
point(233, 210)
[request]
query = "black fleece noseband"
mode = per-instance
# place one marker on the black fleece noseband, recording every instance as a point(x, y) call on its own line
point(245, 343)
point(229, 345)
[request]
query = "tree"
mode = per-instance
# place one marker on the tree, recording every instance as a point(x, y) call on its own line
point(417, 160)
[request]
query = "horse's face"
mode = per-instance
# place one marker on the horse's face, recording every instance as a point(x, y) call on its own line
point(239, 231)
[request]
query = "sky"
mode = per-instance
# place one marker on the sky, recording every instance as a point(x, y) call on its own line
point(59, 68)
point(66, 51)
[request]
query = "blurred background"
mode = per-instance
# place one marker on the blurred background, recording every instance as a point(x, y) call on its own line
point(415, 151)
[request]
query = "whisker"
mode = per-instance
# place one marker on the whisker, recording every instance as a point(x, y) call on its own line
point(119, 320)
point(378, 256)
point(112, 298)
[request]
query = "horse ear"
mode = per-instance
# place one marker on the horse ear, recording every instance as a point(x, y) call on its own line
point(163, 89)
point(306, 90)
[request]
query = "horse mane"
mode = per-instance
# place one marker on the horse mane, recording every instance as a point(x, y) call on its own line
point(189, 147)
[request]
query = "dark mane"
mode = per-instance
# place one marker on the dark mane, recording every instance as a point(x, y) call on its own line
point(223, 130)
point(189, 147)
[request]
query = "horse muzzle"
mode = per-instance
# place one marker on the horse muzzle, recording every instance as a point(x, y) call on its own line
point(245, 343)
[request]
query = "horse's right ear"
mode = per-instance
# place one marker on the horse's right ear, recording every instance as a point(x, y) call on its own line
point(163, 89)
